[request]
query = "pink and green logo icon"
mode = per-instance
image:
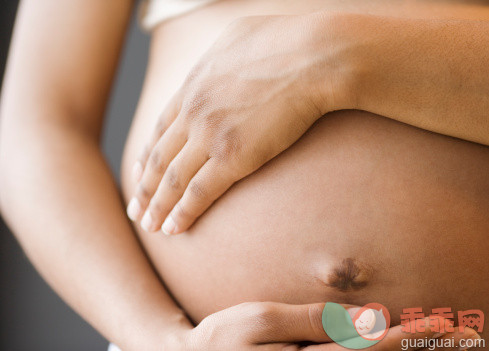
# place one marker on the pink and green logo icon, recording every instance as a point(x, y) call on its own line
point(356, 328)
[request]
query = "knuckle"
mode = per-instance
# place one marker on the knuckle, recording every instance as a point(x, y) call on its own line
point(262, 317)
point(172, 179)
point(264, 312)
point(197, 190)
point(203, 110)
point(155, 161)
point(227, 145)
point(194, 106)
point(142, 192)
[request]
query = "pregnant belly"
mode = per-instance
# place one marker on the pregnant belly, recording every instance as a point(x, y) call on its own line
point(361, 209)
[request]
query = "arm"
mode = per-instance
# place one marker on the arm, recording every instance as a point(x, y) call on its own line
point(57, 193)
point(250, 98)
point(61, 201)
point(432, 74)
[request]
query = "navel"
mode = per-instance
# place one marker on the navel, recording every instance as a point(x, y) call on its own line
point(349, 275)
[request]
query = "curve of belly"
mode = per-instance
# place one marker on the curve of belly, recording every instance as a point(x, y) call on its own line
point(408, 207)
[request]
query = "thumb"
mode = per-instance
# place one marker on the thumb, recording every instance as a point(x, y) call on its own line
point(291, 323)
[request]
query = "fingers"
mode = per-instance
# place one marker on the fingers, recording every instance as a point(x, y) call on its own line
point(160, 157)
point(169, 115)
point(278, 326)
point(175, 180)
point(400, 341)
point(208, 184)
point(396, 340)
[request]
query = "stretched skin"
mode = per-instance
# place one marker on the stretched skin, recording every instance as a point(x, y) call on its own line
point(361, 209)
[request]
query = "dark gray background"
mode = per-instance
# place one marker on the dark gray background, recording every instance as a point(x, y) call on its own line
point(32, 317)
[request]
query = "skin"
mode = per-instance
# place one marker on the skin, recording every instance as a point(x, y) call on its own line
point(298, 217)
point(206, 138)
point(79, 240)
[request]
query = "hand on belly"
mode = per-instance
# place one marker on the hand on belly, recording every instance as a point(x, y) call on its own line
point(362, 209)
point(232, 114)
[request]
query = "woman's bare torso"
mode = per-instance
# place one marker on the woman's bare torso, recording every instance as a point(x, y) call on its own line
point(361, 209)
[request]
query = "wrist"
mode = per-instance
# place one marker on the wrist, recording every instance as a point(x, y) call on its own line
point(162, 334)
point(177, 339)
point(173, 336)
point(344, 64)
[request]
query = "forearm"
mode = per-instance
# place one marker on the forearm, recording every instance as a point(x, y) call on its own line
point(60, 200)
point(432, 74)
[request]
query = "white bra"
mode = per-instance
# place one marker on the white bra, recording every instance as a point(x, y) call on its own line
point(153, 12)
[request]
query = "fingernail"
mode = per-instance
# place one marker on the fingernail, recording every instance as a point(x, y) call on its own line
point(437, 335)
point(137, 171)
point(168, 226)
point(147, 221)
point(133, 209)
